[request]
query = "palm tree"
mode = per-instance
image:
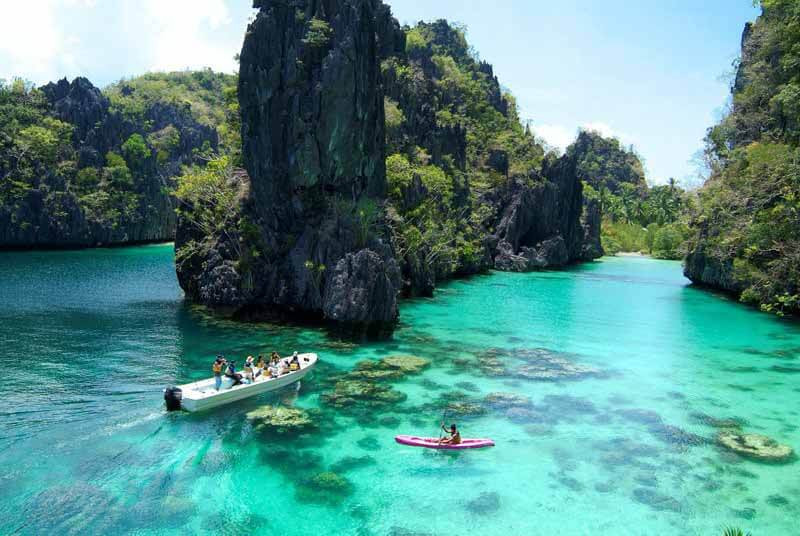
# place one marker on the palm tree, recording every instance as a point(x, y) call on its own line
point(735, 531)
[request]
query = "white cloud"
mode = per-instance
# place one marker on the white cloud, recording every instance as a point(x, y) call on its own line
point(561, 136)
point(44, 40)
point(29, 38)
point(181, 33)
point(604, 129)
point(556, 136)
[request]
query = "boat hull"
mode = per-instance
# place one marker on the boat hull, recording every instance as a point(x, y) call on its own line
point(433, 443)
point(201, 396)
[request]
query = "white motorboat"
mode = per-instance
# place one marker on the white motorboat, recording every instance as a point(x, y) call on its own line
point(202, 395)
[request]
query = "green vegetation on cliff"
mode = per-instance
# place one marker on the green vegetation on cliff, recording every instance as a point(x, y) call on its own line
point(636, 217)
point(29, 139)
point(208, 95)
point(452, 135)
point(80, 166)
point(746, 234)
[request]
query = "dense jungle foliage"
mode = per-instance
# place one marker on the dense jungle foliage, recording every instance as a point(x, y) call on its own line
point(748, 221)
point(77, 162)
point(452, 135)
point(636, 217)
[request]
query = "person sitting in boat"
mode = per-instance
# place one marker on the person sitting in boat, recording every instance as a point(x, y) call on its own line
point(275, 356)
point(455, 436)
point(216, 368)
point(261, 366)
point(274, 368)
point(231, 373)
point(294, 364)
point(249, 373)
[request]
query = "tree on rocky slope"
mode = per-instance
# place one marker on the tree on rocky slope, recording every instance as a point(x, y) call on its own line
point(746, 233)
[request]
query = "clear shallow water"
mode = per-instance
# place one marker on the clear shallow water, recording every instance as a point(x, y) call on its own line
point(89, 339)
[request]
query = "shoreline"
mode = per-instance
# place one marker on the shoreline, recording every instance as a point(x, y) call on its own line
point(634, 254)
point(55, 247)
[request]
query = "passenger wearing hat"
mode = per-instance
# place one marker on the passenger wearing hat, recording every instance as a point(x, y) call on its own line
point(216, 368)
point(248, 369)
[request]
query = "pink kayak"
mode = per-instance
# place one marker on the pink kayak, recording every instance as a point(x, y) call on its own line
point(433, 443)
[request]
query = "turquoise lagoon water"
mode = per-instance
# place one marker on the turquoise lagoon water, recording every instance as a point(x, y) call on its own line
point(89, 339)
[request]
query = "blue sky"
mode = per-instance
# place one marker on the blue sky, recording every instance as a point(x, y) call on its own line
point(651, 72)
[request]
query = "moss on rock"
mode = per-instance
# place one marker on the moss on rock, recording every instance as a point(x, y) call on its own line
point(507, 400)
point(281, 419)
point(755, 446)
point(350, 393)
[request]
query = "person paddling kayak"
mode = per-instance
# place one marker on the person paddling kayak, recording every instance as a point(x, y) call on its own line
point(455, 436)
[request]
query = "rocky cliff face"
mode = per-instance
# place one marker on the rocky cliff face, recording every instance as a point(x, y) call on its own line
point(540, 220)
point(54, 211)
point(324, 232)
point(311, 102)
point(746, 231)
point(604, 163)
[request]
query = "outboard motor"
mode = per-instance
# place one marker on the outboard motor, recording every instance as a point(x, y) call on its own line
point(173, 397)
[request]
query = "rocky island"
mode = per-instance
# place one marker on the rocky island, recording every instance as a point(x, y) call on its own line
point(82, 167)
point(378, 160)
point(746, 235)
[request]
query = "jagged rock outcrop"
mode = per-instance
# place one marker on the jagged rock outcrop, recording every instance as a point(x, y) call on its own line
point(54, 212)
point(745, 230)
point(540, 220)
point(320, 235)
point(604, 163)
point(591, 221)
point(363, 287)
point(312, 113)
point(704, 267)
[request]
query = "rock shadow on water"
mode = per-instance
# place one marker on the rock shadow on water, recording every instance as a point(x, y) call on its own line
point(666, 433)
point(538, 364)
point(293, 463)
point(389, 421)
point(487, 503)
point(640, 416)
point(742, 370)
point(568, 482)
point(619, 400)
point(468, 387)
point(229, 524)
point(349, 463)
point(431, 385)
point(678, 437)
point(77, 508)
point(539, 430)
point(501, 400)
point(326, 488)
point(744, 513)
point(742, 388)
point(369, 443)
point(647, 480)
point(605, 487)
point(457, 404)
point(779, 501)
point(709, 483)
point(717, 422)
point(783, 369)
point(566, 408)
point(621, 452)
point(402, 531)
point(657, 500)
